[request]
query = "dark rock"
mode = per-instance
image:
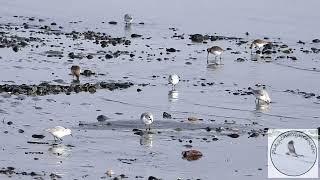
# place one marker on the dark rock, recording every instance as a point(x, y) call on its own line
point(89, 56)
point(21, 131)
point(102, 118)
point(139, 90)
point(55, 176)
point(254, 134)
point(171, 50)
point(153, 178)
point(108, 56)
point(15, 48)
point(233, 135)
point(316, 41)
point(197, 38)
point(38, 136)
point(113, 22)
point(135, 35)
point(240, 60)
point(293, 58)
point(87, 73)
point(166, 115)
point(9, 123)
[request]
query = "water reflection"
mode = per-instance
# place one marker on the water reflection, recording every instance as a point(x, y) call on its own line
point(127, 29)
point(262, 107)
point(173, 95)
point(75, 82)
point(255, 57)
point(60, 150)
point(214, 66)
point(146, 140)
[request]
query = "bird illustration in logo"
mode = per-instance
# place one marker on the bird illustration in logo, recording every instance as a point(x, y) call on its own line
point(292, 150)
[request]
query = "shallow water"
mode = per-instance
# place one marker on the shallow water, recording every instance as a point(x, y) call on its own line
point(92, 151)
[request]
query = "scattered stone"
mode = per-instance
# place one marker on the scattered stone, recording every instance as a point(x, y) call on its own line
point(87, 73)
point(153, 178)
point(113, 22)
point(135, 35)
point(38, 136)
point(166, 115)
point(108, 56)
point(197, 38)
point(89, 56)
point(102, 118)
point(316, 41)
point(233, 135)
point(193, 119)
point(240, 60)
point(55, 176)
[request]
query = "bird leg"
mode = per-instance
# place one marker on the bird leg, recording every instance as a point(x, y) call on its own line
point(149, 127)
point(208, 58)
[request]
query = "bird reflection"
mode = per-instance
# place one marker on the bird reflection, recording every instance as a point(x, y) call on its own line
point(60, 150)
point(75, 82)
point(214, 66)
point(173, 95)
point(146, 140)
point(127, 28)
point(262, 107)
point(256, 57)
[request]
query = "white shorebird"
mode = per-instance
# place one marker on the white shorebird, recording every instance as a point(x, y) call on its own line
point(75, 71)
point(128, 18)
point(215, 50)
point(59, 132)
point(258, 43)
point(173, 79)
point(261, 95)
point(147, 119)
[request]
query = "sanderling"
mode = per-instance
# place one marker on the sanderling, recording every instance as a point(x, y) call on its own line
point(173, 79)
point(75, 71)
point(58, 132)
point(258, 43)
point(261, 95)
point(128, 18)
point(215, 50)
point(147, 119)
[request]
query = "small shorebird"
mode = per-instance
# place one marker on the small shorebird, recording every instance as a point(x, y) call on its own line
point(292, 150)
point(128, 18)
point(58, 132)
point(173, 79)
point(258, 43)
point(215, 50)
point(147, 119)
point(261, 95)
point(75, 71)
